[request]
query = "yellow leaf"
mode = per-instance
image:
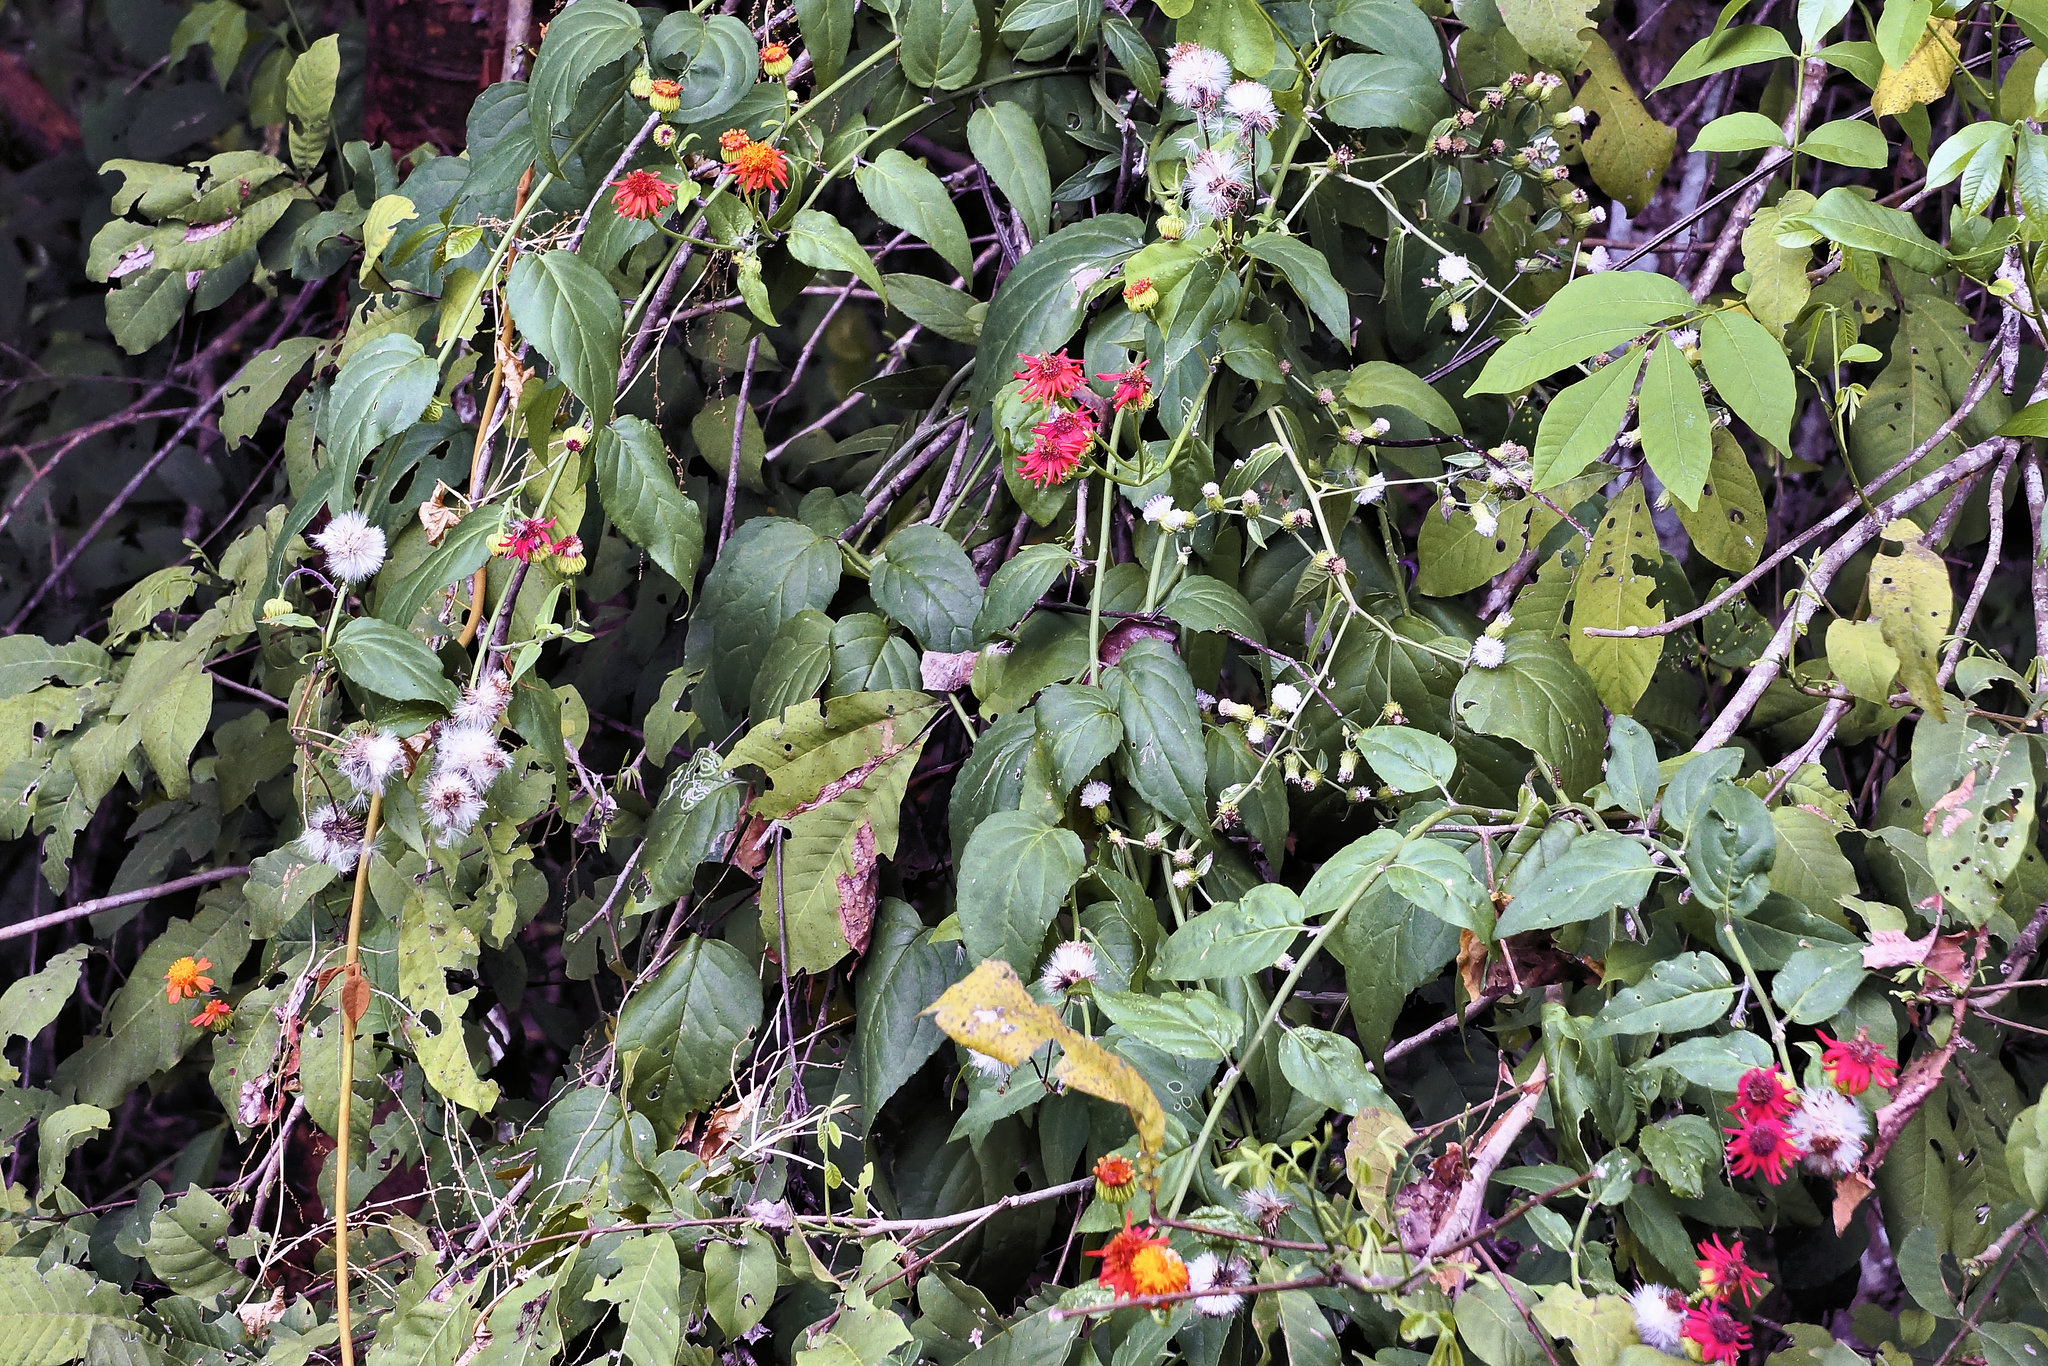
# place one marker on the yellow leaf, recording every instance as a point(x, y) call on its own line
point(1911, 599)
point(1858, 654)
point(990, 1011)
point(1924, 77)
point(1376, 1149)
point(1613, 594)
point(1629, 150)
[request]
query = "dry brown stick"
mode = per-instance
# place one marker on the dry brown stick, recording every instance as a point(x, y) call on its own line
point(739, 432)
point(108, 903)
point(1994, 545)
point(2036, 503)
point(1493, 1150)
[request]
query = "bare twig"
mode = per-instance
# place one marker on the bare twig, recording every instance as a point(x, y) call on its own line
point(108, 903)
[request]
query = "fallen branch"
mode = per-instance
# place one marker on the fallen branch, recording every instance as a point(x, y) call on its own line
point(83, 909)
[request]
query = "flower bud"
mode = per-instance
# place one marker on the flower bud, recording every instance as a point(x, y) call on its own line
point(277, 608)
point(776, 61)
point(665, 135)
point(642, 84)
point(1140, 296)
point(1171, 227)
point(435, 408)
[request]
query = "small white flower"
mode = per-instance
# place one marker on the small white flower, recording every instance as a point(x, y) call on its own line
point(1487, 653)
point(1455, 269)
point(1598, 214)
point(1660, 1317)
point(1255, 732)
point(1575, 115)
point(367, 760)
point(1287, 699)
point(1485, 520)
point(471, 753)
point(1218, 183)
point(451, 804)
point(1264, 1206)
point(1455, 311)
point(354, 548)
point(332, 837)
point(1221, 1275)
point(1211, 490)
point(1379, 427)
point(1203, 700)
point(995, 1069)
point(1251, 104)
point(1094, 794)
point(1371, 491)
point(1595, 261)
point(1833, 1130)
point(1686, 338)
point(483, 704)
point(1157, 508)
point(1067, 967)
point(1177, 520)
point(1196, 76)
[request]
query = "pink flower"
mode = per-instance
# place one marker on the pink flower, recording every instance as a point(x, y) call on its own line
point(1050, 379)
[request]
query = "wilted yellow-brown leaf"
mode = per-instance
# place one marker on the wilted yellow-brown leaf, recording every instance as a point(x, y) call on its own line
point(1925, 75)
point(1913, 603)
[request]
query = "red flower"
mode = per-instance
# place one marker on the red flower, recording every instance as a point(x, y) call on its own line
point(1764, 1093)
point(1049, 379)
point(1056, 450)
point(757, 166)
point(527, 538)
point(641, 194)
point(214, 1015)
point(1762, 1148)
point(1854, 1067)
point(1133, 389)
point(1715, 1333)
point(1120, 1252)
point(1723, 1272)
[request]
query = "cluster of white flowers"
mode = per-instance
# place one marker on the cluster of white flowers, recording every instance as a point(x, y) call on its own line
point(1222, 1277)
point(1660, 1317)
point(367, 759)
point(1070, 966)
point(354, 548)
point(467, 759)
point(333, 837)
point(1219, 182)
point(1832, 1130)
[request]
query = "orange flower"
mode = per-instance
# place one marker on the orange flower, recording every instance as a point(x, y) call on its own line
point(757, 166)
point(182, 979)
point(641, 194)
point(1157, 1269)
point(214, 1015)
point(776, 61)
point(1120, 1260)
point(665, 97)
point(730, 142)
point(1116, 1181)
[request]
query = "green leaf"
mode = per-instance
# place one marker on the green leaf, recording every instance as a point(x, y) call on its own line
point(1043, 299)
point(1329, 1068)
point(905, 194)
point(181, 1250)
point(1725, 50)
point(637, 486)
point(1309, 275)
point(1581, 422)
point(58, 1134)
point(1016, 588)
point(1598, 873)
point(1612, 592)
point(1592, 314)
point(1847, 218)
point(143, 311)
point(1750, 373)
point(818, 239)
point(565, 307)
point(1078, 728)
point(771, 569)
point(1185, 1024)
point(1395, 27)
point(1383, 384)
point(1491, 1328)
point(691, 824)
point(173, 719)
point(435, 941)
point(941, 43)
point(1730, 849)
point(902, 973)
point(1013, 876)
point(381, 390)
point(1848, 142)
point(1678, 435)
point(1234, 939)
point(1630, 148)
point(720, 62)
point(1913, 604)
point(679, 1037)
point(1362, 91)
point(464, 550)
point(1006, 142)
point(30, 1004)
point(1407, 759)
point(952, 313)
point(1742, 131)
point(1163, 755)
point(1551, 31)
point(1729, 525)
point(580, 43)
point(1899, 28)
point(51, 1311)
point(827, 29)
point(1690, 991)
point(1679, 1150)
point(739, 1281)
point(1814, 870)
point(1540, 699)
point(1200, 603)
point(391, 662)
point(1816, 983)
point(309, 101)
point(259, 384)
point(924, 580)
point(27, 662)
point(1631, 766)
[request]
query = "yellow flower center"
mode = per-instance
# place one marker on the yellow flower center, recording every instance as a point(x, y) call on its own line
point(1157, 1270)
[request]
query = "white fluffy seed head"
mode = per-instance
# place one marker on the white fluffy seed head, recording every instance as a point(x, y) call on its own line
point(1221, 1275)
point(1660, 1317)
point(1454, 269)
point(1832, 1129)
point(1070, 965)
point(483, 704)
point(471, 753)
point(1251, 104)
point(1217, 183)
point(1196, 76)
point(1264, 1206)
point(1372, 490)
point(332, 837)
point(1094, 794)
point(1287, 699)
point(1487, 653)
point(451, 804)
point(368, 758)
point(995, 1069)
point(354, 548)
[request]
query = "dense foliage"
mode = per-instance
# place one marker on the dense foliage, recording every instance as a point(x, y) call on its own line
point(1030, 683)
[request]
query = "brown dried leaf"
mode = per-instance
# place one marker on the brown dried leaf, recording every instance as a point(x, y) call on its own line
point(436, 516)
point(857, 891)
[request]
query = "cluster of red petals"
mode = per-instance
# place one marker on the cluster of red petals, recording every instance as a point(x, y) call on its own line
point(1714, 1333)
point(1858, 1064)
point(1120, 1252)
point(1114, 1170)
point(1762, 1147)
point(641, 194)
point(757, 166)
point(1764, 1093)
point(527, 538)
point(1723, 1272)
point(1050, 379)
point(1133, 387)
point(214, 1014)
point(1057, 445)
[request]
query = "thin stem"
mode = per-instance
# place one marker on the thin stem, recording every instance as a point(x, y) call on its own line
point(353, 991)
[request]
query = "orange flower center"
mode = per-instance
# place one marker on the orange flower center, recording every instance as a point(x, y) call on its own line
point(1158, 1270)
